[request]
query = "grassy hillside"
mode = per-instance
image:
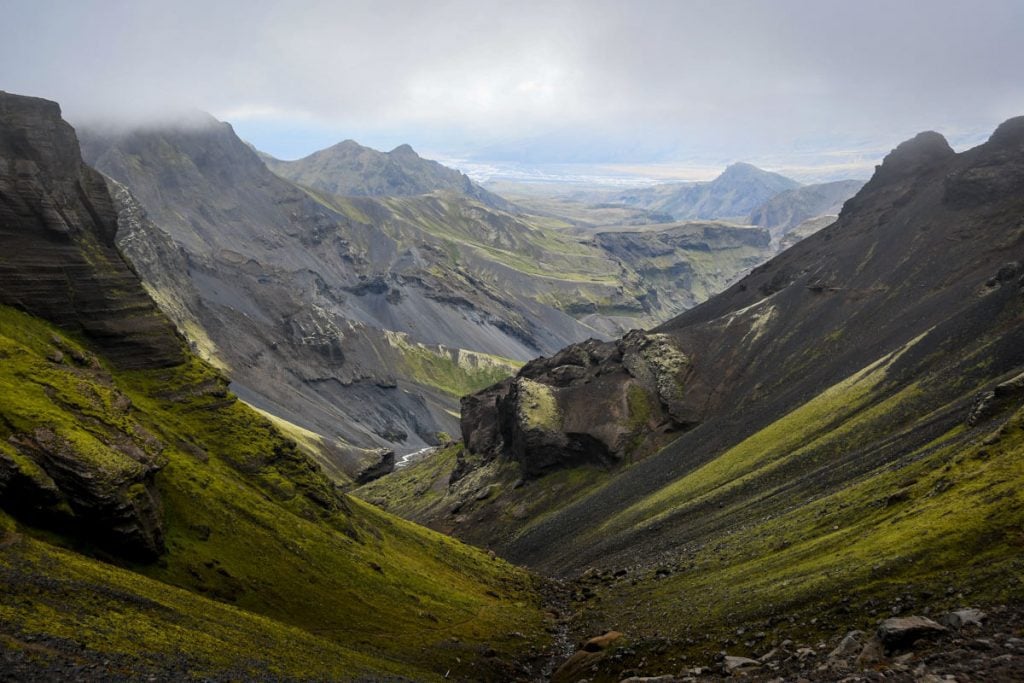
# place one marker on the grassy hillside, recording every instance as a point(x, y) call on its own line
point(260, 547)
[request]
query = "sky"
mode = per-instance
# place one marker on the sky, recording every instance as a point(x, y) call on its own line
point(665, 88)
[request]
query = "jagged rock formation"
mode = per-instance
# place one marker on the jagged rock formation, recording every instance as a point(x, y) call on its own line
point(58, 225)
point(349, 169)
point(784, 212)
point(734, 194)
point(544, 417)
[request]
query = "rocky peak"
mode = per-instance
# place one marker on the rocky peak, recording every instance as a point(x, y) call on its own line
point(915, 155)
point(1009, 134)
point(404, 150)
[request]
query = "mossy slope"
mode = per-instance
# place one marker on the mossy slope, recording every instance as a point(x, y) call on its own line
point(256, 536)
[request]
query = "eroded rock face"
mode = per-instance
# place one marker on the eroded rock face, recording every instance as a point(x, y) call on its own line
point(57, 229)
point(594, 402)
point(57, 226)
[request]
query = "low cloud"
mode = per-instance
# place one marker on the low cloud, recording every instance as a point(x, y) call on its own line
point(668, 80)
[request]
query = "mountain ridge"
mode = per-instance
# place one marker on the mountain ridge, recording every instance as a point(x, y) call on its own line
point(350, 169)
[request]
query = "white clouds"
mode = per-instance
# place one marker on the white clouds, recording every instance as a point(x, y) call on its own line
point(691, 75)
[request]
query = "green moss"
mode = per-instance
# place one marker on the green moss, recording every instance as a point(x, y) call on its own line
point(454, 371)
point(771, 447)
point(538, 405)
point(951, 514)
point(252, 523)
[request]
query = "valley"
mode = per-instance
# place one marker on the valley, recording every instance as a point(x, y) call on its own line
point(389, 424)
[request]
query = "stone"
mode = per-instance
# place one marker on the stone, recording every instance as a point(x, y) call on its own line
point(851, 644)
point(379, 462)
point(900, 632)
point(602, 642)
point(962, 617)
point(733, 664)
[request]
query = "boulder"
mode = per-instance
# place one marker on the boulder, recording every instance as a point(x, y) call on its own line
point(901, 632)
point(851, 645)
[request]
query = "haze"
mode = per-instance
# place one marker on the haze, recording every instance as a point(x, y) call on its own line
point(663, 89)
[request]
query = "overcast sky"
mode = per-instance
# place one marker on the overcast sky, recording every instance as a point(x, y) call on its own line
point(577, 81)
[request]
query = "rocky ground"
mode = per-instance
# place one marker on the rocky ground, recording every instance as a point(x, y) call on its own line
point(964, 645)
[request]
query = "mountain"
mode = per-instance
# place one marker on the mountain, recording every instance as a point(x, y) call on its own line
point(348, 169)
point(786, 210)
point(833, 440)
point(155, 527)
point(359, 319)
point(734, 194)
point(806, 229)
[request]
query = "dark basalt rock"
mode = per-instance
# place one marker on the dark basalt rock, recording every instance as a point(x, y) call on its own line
point(57, 226)
point(594, 402)
point(379, 463)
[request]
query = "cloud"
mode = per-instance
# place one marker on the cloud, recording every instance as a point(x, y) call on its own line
point(682, 77)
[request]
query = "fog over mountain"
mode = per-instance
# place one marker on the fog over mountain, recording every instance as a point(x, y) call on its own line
point(586, 82)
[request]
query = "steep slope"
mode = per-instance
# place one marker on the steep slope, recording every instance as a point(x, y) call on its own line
point(844, 425)
point(786, 210)
point(58, 224)
point(806, 229)
point(734, 194)
point(349, 169)
point(324, 308)
point(152, 524)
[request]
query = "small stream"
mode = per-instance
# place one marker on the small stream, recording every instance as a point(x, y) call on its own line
point(410, 458)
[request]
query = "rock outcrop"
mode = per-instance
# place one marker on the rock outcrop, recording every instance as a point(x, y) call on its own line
point(594, 402)
point(57, 225)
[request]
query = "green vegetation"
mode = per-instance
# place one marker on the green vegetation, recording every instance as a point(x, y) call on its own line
point(454, 371)
point(951, 514)
point(539, 405)
point(261, 548)
point(825, 417)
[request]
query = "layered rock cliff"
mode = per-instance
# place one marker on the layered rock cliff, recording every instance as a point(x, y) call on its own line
point(58, 225)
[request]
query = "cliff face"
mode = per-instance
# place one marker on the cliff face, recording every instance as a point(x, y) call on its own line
point(57, 227)
point(57, 224)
